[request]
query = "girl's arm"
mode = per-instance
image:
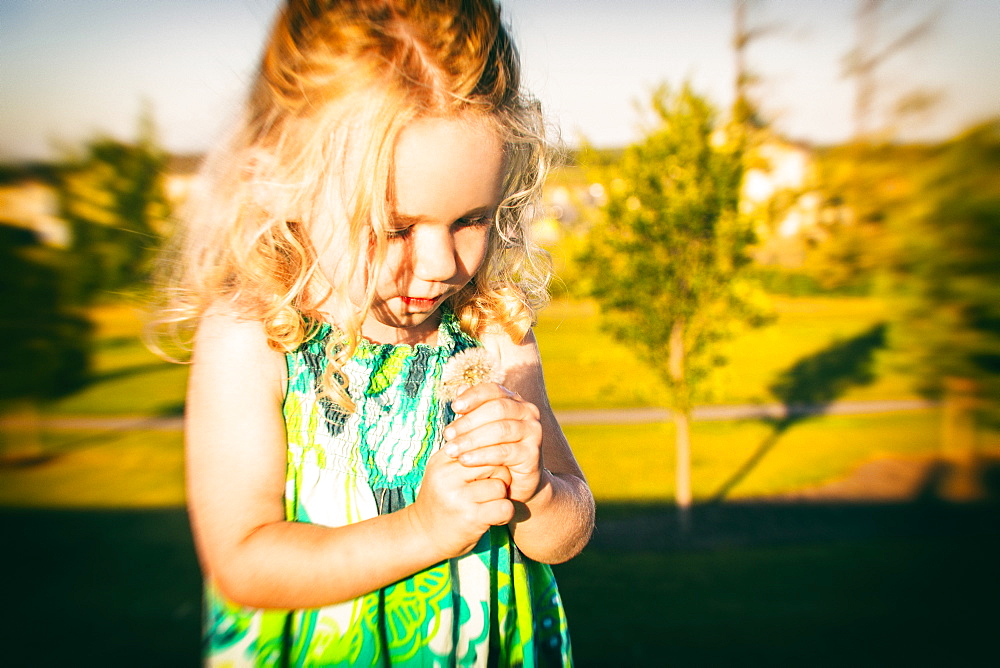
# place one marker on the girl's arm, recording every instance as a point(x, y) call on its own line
point(514, 426)
point(236, 453)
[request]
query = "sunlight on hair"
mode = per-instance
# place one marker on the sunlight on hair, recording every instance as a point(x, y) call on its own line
point(311, 156)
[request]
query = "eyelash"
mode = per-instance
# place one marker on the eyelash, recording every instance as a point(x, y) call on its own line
point(478, 221)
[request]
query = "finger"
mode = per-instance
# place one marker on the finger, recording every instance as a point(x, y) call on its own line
point(503, 474)
point(475, 473)
point(477, 395)
point(524, 437)
point(498, 472)
point(486, 490)
point(507, 455)
point(493, 410)
point(496, 513)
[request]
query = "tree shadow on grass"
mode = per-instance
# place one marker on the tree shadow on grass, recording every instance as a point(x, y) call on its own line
point(175, 409)
point(115, 342)
point(809, 386)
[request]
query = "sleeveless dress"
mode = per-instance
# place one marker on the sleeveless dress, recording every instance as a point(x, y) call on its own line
point(490, 607)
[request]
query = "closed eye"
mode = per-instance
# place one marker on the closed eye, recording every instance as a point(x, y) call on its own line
point(473, 221)
point(398, 233)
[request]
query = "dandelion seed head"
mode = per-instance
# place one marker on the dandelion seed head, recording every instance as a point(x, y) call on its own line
point(466, 369)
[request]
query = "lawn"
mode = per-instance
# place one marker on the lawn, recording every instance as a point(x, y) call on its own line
point(584, 367)
point(735, 460)
point(786, 585)
point(99, 543)
point(128, 378)
point(587, 368)
point(100, 469)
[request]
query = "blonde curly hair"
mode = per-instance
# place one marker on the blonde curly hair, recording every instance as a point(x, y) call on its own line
point(338, 82)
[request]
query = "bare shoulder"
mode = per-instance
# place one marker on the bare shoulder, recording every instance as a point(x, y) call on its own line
point(222, 325)
point(233, 346)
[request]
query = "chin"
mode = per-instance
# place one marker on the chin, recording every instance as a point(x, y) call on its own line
point(402, 327)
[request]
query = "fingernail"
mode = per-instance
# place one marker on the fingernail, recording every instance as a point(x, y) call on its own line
point(449, 433)
point(458, 406)
point(451, 450)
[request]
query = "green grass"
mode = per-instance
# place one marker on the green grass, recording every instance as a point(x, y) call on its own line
point(128, 378)
point(623, 463)
point(100, 469)
point(586, 368)
point(97, 533)
point(636, 462)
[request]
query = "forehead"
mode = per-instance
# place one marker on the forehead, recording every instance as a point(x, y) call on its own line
point(445, 167)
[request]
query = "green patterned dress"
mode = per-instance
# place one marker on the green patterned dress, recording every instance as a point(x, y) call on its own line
point(490, 607)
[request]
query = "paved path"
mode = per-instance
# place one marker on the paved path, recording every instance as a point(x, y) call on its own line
point(582, 417)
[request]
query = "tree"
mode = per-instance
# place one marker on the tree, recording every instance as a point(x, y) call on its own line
point(667, 255)
point(861, 185)
point(869, 56)
point(46, 342)
point(113, 199)
point(861, 180)
point(947, 284)
point(745, 108)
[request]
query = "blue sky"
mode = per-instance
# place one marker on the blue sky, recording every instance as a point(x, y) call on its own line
point(70, 69)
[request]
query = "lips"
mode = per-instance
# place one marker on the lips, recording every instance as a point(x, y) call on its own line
point(419, 303)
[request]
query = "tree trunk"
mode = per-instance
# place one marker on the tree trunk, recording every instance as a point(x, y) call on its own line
point(683, 468)
point(958, 440)
point(20, 432)
point(682, 419)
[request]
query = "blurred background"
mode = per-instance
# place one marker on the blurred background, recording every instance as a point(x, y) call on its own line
point(774, 342)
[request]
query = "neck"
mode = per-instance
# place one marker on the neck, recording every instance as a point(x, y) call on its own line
point(379, 332)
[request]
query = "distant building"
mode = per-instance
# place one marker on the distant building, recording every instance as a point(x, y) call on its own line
point(783, 171)
point(32, 204)
point(181, 173)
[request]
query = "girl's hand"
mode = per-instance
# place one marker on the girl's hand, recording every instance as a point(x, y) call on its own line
point(457, 504)
point(496, 427)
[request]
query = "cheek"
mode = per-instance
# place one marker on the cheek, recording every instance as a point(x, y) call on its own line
point(328, 247)
point(397, 263)
point(472, 244)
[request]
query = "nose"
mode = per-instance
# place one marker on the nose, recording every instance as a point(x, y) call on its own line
point(434, 254)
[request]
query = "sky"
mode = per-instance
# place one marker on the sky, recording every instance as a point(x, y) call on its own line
point(70, 70)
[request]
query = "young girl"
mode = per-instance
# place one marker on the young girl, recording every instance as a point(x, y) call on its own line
point(365, 223)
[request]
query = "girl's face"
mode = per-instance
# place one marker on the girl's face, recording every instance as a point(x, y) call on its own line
point(447, 184)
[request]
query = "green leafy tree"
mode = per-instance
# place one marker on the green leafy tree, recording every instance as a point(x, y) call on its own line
point(866, 179)
point(947, 279)
point(666, 258)
point(862, 184)
point(113, 199)
point(46, 342)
